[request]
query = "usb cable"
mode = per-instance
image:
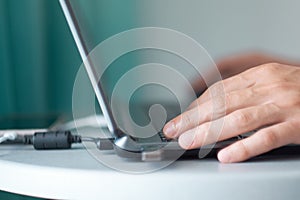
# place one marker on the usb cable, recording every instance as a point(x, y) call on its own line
point(62, 139)
point(55, 140)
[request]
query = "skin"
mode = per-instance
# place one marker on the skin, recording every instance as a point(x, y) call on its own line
point(260, 95)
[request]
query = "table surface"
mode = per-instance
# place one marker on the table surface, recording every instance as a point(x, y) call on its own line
point(77, 174)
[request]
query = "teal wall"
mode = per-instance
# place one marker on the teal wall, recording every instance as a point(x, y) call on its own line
point(38, 58)
point(10, 196)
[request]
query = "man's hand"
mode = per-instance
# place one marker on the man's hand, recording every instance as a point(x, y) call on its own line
point(266, 97)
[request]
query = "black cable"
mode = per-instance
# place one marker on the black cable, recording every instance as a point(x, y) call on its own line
point(52, 140)
point(59, 140)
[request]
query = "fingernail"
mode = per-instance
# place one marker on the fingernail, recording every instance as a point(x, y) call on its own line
point(224, 156)
point(169, 129)
point(186, 140)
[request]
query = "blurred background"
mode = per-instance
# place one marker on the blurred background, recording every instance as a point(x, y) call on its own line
point(39, 59)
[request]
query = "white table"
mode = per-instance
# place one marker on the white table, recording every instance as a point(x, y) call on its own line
point(75, 174)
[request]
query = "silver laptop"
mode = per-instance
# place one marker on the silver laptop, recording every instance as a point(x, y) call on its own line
point(156, 147)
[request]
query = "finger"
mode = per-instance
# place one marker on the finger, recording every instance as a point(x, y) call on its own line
point(261, 142)
point(237, 82)
point(236, 123)
point(214, 109)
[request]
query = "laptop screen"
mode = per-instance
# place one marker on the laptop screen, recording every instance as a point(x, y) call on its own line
point(142, 81)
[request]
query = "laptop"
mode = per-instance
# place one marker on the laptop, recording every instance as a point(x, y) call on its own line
point(153, 148)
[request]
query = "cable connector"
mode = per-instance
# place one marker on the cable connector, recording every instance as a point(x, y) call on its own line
point(105, 143)
point(52, 140)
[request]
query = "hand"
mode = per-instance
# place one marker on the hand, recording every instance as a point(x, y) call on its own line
point(237, 63)
point(266, 97)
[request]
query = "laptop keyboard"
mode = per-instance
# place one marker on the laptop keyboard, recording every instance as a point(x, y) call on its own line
point(162, 137)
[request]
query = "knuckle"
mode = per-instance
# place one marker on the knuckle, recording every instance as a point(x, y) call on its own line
point(179, 124)
point(197, 137)
point(218, 107)
point(233, 99)
point(269, 68)
point(290, 97)
point(204, 128)
point(269, 139)
point(244, 78)
point(228, 99)
point(280, 86)
point(241, 118)
point(209, 114)
point(243, 151)
point(274, 65)
point(230, 102)
point(294, 125)
point(272, 109)
point(207, 137)
point(216, 89)
point(254, 91)
point(187, 120)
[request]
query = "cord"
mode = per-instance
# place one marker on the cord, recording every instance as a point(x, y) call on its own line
point(8, 136)
point(54, 140)
point(62, 139)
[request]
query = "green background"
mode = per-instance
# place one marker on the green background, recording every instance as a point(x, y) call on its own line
point(9, 196)
point(38, 60)
point(38, 57)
